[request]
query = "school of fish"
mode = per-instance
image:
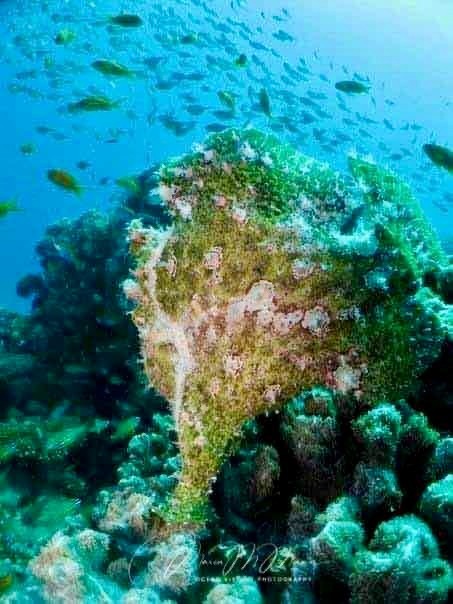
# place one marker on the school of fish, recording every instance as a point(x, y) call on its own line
point(198, 72)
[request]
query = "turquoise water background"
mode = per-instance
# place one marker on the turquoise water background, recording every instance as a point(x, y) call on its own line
point(405, 48)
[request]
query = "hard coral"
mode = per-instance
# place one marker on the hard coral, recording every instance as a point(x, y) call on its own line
point(401, 565)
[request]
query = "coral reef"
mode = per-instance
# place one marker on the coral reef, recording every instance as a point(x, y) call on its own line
point(401, 564)
point(70, 383)
point(243, 589)
point(337, 486)
point(278, 275)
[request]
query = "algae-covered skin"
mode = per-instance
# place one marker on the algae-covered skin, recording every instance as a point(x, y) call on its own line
point(277, 275)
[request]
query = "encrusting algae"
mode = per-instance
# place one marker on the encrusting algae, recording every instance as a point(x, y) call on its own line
point(277, 275)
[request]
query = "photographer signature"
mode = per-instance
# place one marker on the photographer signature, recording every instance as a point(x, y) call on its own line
point(263, 558)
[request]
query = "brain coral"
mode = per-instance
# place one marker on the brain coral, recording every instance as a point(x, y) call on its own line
point(277, 275)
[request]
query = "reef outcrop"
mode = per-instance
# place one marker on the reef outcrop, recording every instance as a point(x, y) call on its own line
point(298, 323)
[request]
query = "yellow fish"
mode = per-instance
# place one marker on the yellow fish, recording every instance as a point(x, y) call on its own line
point(5, 582)
point(93, 103)
point(64, 180)
point(6, 207)
point(27, 149)
point(130, 183)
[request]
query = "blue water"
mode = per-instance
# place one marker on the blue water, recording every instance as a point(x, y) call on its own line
point(404, 48)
